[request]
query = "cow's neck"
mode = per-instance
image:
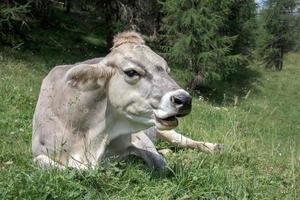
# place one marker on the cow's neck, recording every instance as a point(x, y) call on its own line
point(117, 124)
point(108, 125)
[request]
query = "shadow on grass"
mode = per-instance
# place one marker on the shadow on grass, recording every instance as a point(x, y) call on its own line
point(67, 39)
point(231, 91)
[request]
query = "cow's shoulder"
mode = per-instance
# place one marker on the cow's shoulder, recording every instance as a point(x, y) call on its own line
point(58, 72)
point(90, 61)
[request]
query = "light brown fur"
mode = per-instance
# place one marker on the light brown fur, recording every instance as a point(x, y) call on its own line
point(127, 37)
point(84, 73)
point(92, 110)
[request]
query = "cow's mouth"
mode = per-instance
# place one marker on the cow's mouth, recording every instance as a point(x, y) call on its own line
point(166, 123)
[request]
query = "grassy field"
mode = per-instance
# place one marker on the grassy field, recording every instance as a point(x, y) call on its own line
point(261, 133)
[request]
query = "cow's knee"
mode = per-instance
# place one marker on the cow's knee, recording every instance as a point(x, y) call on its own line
point(159, 162)
point(165, 152)
point(152, 158)
point(45, 162)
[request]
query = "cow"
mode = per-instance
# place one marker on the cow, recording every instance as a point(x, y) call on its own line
point(111, 106)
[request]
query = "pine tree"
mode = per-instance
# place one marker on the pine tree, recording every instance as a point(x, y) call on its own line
point(200, 37)
point(241, 22)
point(279, 23)
point(13, 17)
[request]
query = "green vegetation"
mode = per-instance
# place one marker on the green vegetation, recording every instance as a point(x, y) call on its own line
point(13, 18)
point(255, 114)
point(213, 39)
point(279, 22)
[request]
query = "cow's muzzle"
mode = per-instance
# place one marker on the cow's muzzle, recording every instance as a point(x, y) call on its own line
point(183, 102)
point(173, 104)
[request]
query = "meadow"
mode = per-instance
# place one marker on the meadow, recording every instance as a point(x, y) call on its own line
point(256, 115)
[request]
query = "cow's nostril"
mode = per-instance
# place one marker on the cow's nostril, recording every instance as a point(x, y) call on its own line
point(176, 100)
point(180, 99)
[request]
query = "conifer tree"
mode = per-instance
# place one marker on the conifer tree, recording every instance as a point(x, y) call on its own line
point(200, 37)
point(279, 23)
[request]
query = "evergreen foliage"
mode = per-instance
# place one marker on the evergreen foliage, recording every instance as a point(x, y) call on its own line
point(241, 22)
point(211, 38)
point(13, 18)
point(279, 31)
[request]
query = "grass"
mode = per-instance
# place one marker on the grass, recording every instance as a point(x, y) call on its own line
point(261, 158)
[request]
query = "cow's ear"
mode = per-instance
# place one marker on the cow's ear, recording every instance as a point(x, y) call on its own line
point(88, 77)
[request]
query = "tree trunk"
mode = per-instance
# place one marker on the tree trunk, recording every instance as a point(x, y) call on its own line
point(196, 81)
point(281, 59)
point(68, 6)
point(141, 15)
point(111, 17)
point(42, 10)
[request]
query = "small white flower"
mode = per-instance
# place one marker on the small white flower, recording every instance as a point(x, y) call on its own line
point(201, 98)
point(9, 162)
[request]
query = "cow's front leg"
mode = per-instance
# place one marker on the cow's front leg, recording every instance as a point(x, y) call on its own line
point(95, 150)
point(45, 162)
point(143, 147)
point(177, 139)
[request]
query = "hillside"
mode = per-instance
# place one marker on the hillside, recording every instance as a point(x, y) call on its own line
point(261, 158)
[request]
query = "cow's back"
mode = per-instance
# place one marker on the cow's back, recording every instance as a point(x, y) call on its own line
point(50, 106)
point(53, 85)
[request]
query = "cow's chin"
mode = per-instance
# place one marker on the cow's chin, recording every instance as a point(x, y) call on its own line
point(167, 123)
point(147, 121)
point(140, 121)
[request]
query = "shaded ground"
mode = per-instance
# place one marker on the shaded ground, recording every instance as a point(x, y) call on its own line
point(236, 88)
point(68, 38)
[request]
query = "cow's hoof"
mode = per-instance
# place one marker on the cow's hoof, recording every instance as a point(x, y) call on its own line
point(210, 147)
point(165, 152)
point(217, 148)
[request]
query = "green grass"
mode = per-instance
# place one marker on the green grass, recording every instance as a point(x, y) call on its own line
point(261, 159)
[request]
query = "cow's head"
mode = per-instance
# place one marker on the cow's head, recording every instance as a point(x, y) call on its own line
point(136, 82)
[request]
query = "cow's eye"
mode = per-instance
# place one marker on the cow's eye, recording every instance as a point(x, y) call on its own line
point(131, 73)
